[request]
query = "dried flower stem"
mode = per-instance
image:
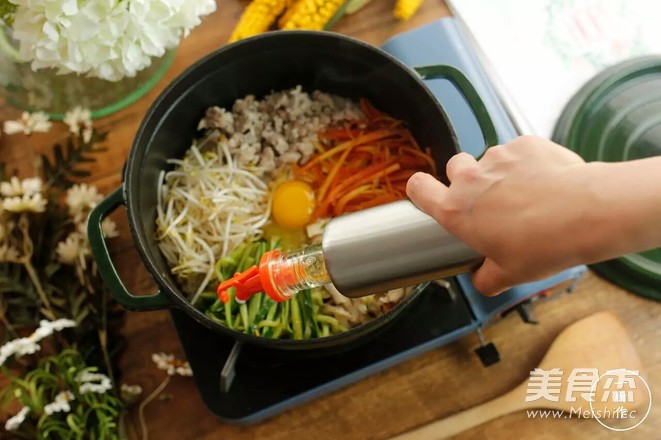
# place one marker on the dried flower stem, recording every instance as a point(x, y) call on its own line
point(5, 321)
point(50, 314)
point(148, 399)
point(23, 225)
point(103, 337)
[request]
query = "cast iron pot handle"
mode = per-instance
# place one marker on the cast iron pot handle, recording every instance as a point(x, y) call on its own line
point(103, 261)
point(470, 95)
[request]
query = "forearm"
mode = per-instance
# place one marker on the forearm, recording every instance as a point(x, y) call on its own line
point(625, 200)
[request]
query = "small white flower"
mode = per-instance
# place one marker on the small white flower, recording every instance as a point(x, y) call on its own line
point(79, 121)
point(172, 365)
point(31, 186)
point(14, 422)
point(11, 188)
point(25, 346)
point(98, 388)
point(81, 198)
point(130, 393)
point(20, 347)
point(109, 228)
point(28, 124)
point(33, 203)
point(162, 360)
point(16, 187)
point(75, 249)
point(184, 370)
point(132, 389)
point(88, 376)
point(68, 250)
point(41, 333)
point(46, 328)
point(93, 382)
point(60, 404)
point(59, 324)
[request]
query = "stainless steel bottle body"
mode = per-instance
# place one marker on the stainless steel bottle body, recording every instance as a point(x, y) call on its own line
point(391, 246)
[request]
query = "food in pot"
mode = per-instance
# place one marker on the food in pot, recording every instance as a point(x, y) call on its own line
point(269, 174)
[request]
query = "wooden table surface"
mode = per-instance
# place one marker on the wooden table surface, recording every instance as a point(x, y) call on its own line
point(429, 387)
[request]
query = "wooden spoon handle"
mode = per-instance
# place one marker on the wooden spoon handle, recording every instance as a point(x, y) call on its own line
point(467, 419)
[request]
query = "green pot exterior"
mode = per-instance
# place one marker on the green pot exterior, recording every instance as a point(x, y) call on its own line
point(616, 117)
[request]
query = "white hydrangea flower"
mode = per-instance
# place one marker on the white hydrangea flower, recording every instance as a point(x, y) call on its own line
point(33, 203)
point(109, 39)
point(93, 382)
point(28, 124)
point(14, 422)
point(81, 198)
point(172, 365)
point(79, 121)
point(60, 404)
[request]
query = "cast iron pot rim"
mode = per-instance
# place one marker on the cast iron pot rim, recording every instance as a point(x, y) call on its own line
point(130, 178)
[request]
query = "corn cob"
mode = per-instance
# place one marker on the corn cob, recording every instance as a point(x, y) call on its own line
point(404, 9)
point(258, 17)
point(311, 14)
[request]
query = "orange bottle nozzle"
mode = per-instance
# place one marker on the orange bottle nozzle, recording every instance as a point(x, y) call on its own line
point(246, 284)
point(256, 279)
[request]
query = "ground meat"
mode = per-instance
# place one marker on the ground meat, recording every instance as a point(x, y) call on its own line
point(279, 129)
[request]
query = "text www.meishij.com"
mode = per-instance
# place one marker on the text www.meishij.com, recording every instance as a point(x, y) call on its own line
point(580, 413)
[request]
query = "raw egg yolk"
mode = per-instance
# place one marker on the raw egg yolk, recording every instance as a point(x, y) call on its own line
point(293, 204)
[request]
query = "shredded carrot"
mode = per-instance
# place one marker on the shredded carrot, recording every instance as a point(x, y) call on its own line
point(374, 136)
point(363, 163)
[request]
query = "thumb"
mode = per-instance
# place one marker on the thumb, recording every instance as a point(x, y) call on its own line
point(426, 193)
point(490, 279)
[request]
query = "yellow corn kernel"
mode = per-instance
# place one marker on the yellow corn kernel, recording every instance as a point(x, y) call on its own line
point(310, 14)
point(258, 17)
point(404, 9)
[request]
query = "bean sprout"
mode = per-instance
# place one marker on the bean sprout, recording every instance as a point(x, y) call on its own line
point(207, 206)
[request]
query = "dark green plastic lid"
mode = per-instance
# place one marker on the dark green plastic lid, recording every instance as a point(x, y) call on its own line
point(615, 117)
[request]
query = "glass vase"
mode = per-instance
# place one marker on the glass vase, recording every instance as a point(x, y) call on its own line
point(47, 91)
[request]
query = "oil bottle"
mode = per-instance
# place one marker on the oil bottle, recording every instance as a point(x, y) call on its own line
point(361, 253)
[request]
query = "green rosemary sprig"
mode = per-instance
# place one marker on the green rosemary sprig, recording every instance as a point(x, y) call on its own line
point(66, 166)
point(57, 402)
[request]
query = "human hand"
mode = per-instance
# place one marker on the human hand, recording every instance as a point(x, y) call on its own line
point(521, 206)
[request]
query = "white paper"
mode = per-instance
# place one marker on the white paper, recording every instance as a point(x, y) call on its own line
point(543, 51)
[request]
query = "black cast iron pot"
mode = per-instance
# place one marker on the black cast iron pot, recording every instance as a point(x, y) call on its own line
point(269, 62)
